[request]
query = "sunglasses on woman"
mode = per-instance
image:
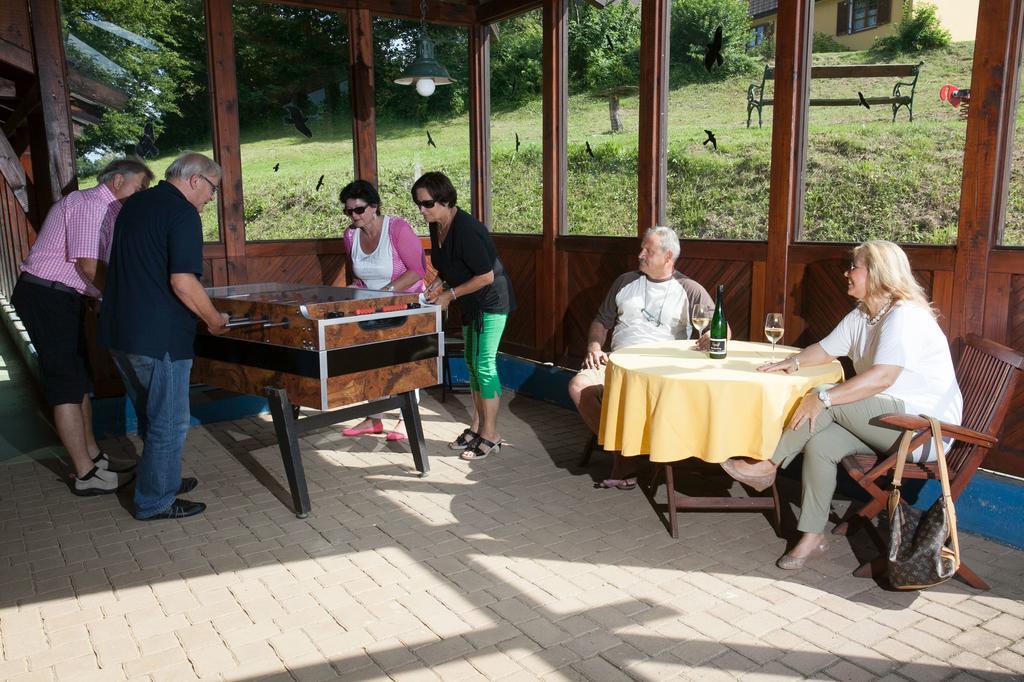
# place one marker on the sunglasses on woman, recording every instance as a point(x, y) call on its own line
point(358, 210)
point(429, 203)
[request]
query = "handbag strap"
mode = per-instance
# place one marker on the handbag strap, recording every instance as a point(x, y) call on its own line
point(947, 495)
point(940, 454)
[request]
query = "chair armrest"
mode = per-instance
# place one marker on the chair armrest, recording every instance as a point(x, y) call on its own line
point(911, 422)
point(754, 87)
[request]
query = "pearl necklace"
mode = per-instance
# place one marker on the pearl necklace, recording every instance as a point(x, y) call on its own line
point(872, 321)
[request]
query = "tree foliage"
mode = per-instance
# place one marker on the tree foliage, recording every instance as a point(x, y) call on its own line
point(918, 30)
point(154, 80)
point(693, 26)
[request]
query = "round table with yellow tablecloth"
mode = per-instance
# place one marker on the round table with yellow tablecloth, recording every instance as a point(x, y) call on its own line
point(672, 402)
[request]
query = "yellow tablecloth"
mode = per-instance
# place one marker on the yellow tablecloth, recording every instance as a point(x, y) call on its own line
point(672, 402)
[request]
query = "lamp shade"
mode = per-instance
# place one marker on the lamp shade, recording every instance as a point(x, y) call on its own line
point(424, 66)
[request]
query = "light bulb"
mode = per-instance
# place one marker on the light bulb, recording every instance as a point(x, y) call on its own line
point(425, 86)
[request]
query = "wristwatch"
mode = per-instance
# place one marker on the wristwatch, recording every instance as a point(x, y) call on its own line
point(826, 399)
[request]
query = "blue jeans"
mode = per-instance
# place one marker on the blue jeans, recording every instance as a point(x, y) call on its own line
point(159, 391)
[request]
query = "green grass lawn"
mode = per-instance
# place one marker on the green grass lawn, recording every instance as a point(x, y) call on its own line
point(867, 177)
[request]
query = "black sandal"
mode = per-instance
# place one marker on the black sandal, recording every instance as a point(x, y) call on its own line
point(480, 448)
point(465, 440)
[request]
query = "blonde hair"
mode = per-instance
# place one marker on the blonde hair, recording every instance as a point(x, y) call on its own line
point(889, 274)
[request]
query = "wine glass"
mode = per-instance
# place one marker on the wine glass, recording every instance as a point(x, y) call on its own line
point(701, 318)
point(774, 328)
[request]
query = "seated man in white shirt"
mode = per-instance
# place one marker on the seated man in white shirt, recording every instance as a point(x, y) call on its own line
point(643, 306)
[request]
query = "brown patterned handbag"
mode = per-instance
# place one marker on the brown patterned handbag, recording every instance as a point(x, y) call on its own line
point(923, 546)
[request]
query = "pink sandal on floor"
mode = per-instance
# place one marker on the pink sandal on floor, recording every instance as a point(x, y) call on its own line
point(379, 428)
point(396, 436)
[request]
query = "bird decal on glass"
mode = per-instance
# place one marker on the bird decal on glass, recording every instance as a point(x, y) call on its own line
point(296, 119)
point(712, 139)
point(146, 147)
point(713, 52)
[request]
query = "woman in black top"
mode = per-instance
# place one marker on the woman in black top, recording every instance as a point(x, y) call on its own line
point(469, 271)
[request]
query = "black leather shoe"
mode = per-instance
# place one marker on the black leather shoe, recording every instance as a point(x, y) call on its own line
point(179, 509)
point(188, 484)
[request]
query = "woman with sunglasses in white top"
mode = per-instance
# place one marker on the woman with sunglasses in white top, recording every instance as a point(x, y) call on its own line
point(384, 254)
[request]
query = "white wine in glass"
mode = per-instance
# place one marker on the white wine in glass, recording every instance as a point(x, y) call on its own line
point(774, 329)
point(701, 318)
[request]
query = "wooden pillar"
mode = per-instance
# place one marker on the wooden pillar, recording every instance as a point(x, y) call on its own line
point(789, 144)
point(51, 71)
point(652, 183)
point(220, 45)
point(555, 87)
point(480, 122)
point(362, 94)
point(987, 157)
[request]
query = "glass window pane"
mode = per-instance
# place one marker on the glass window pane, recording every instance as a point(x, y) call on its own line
point(294, 117)
point(517, 126)
point(417, 134)
point(869, 176)
point(1013, 231)
point(604, 76)
point(139, 85)
point(719, 169)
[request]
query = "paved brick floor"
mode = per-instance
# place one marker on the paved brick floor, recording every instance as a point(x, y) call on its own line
point(509, 568)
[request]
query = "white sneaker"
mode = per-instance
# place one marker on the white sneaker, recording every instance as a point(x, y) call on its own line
point(99, 482)
point(102, 461)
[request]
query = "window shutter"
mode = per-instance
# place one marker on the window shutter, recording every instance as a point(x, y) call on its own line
point(843, 19)
point(884, 11)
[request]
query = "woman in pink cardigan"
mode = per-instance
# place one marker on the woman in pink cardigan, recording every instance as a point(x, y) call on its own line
point(384, 253)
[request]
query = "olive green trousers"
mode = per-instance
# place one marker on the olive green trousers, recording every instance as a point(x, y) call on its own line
point(838, 432)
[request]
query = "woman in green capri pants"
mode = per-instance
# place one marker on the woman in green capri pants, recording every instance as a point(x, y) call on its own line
point(903, 365)
point(469, 271)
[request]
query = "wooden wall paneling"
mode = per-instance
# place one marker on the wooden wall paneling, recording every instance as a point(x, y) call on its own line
point(757, 279)
point(51, 70)
point(997, 307)
point(363, 94)
point(987, 156)
point(942, 296)
point(589, 276)
point(13, 173)
point(520, 262)
point(15, 27)
point(555, 87)
point(789, 144)
point(652, 181)
point(306, 269)
point(796, 322)
point(8, 258)
point(737, 278)
point(220, 45)
point(480, 122)
point(1008, 456)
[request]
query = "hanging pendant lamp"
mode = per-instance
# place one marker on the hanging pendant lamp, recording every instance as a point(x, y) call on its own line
point(424, 71)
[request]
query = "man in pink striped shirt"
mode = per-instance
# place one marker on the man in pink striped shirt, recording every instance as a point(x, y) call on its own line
point(65, 269)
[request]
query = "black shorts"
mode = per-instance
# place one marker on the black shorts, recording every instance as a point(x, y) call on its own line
point(55, 321)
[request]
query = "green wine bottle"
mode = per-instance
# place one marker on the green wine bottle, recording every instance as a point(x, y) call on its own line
point(719, 327)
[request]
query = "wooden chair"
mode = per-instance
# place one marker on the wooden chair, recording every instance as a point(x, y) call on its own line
point(987, 373)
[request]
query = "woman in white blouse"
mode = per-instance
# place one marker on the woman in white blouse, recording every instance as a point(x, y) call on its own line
point(384, 253)
point(903, 365)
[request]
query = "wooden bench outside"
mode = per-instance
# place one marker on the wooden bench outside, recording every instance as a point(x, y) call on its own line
point(757, 100)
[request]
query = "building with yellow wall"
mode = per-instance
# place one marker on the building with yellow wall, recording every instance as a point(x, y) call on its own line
point(856, 23)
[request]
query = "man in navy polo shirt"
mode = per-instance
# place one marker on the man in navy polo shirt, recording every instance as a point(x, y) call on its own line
point(148, 321)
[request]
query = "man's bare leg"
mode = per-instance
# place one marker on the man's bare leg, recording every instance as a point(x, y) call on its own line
point(71, 430)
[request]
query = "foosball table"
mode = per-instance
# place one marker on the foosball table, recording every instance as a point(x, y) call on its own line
point(325, 348)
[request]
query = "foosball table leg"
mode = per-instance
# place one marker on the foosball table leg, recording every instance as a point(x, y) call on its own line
point(411, 415)
point(288, 441)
